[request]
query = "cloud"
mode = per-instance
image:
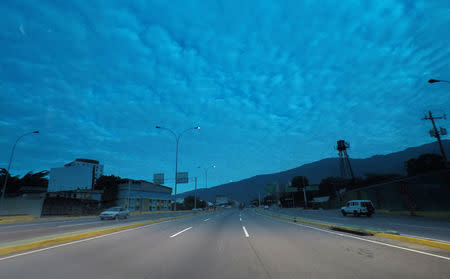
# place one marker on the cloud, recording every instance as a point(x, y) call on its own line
point(273, 84)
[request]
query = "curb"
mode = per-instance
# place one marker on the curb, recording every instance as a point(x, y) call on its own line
point(416, 240)
point(14, 219)
point(409, 239)
point(64, 239)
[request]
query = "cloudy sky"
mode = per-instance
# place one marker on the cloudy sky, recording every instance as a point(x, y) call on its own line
point(273, 84)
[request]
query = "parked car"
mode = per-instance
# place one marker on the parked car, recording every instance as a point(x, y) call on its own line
point(358, 208)
point(116, 212)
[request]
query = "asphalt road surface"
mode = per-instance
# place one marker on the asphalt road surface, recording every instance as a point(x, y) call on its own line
point(229, 244)
point(10, 232)
point(432, 228)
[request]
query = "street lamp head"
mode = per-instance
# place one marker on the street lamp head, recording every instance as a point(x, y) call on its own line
point(35, 132)
point(433, 80)
point(214, 166)
point(158, 127)
point(197, 128)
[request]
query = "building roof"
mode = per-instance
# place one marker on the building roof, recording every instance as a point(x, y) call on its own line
point(88, 161)
point(133, 181)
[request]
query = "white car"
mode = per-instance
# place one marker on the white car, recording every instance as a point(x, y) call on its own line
point(116, 212)
point(358, 208)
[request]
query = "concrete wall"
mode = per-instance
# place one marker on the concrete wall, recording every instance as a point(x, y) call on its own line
point(427, 192)
point(22, 206)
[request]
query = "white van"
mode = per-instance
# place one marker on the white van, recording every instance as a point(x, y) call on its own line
point(358, 208)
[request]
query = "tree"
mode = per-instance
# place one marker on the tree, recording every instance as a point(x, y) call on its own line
point(189, 203)
point(299, 182)
point(37, 179)
point(110, 186)
point(375, 178)
point(424, 163)
point(14, 183)
point(330, 185)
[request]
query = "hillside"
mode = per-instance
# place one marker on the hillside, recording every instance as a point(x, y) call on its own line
point(247, 189)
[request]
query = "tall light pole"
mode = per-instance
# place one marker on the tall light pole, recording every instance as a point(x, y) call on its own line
point(9, 165)
point(177, 140)
point(206, 174)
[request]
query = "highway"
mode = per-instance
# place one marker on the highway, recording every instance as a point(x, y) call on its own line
point(229, 244)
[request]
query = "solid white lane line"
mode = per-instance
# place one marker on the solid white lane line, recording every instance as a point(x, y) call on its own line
point(79, 241)
point(363, 239)
point(181, 232)
point(245, 231)
point(206, 219)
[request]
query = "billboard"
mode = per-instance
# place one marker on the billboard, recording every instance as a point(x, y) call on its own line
point(182, 177)
point(71, 178)
point(158, 178)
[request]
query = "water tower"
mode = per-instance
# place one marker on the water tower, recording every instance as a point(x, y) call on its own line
point(344, 162)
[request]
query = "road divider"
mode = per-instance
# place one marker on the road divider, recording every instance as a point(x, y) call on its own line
point(6, 250)
point(360, 231)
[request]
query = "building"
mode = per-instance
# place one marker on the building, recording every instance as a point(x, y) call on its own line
point(98, 169)
point(221, 200)
point(80, 174)
point(141, 195)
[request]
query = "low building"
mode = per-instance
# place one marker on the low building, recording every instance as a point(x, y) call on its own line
point(80, 174)
point(221, 200)
point(141, 195)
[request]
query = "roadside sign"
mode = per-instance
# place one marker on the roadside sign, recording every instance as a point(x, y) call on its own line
point(158, 178)
point(291, 189)
point(312, 188)
point(182, 177)
point(271, 188)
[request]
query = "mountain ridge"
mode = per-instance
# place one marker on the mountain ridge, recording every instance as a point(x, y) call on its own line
point(249, 188)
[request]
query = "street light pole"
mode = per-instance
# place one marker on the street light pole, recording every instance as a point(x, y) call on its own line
point(206, 174)
point(177, 140)
point(437, 80)
point(9, 165)
point(195, 194)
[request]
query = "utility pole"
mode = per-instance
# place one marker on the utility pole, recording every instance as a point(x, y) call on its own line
point(304, 192)
point(195, 194)
point(293, 201)
point(437, 133)
point(259, 199)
